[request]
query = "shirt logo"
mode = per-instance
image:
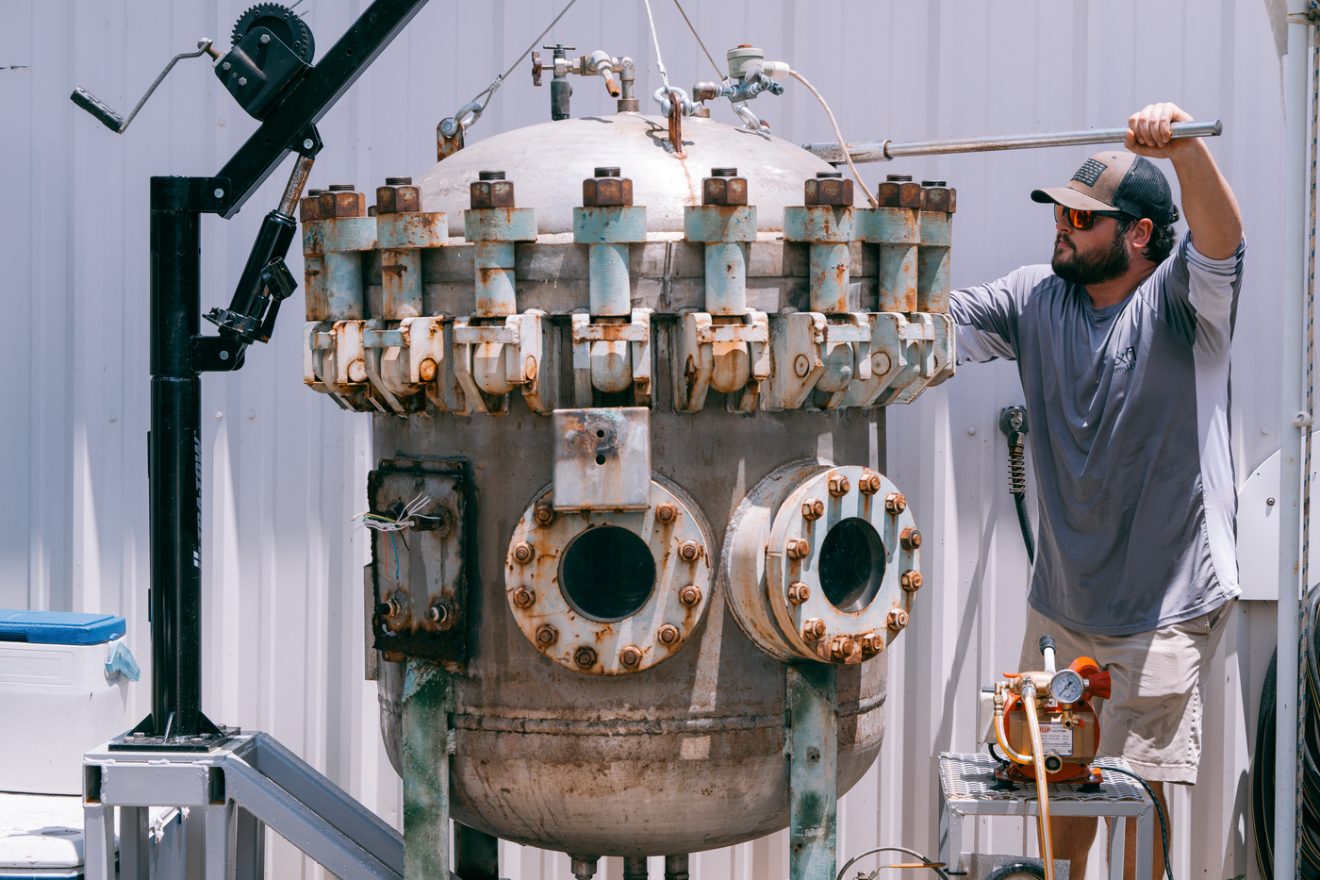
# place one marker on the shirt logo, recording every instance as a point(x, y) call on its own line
point(1090, 172)
point(1126, 360)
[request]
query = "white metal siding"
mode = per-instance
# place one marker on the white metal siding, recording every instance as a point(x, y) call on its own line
point(285, 470)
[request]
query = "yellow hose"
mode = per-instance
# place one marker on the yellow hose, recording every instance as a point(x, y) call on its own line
point(1042, 787)
point(1002, 737)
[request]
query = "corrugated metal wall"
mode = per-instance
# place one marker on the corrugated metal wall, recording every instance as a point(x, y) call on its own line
point(285, 470)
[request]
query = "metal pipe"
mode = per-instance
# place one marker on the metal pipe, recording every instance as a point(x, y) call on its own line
point(882, 151)
point(1294, 423)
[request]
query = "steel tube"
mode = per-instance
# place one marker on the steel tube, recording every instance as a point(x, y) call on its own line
point(881, 151)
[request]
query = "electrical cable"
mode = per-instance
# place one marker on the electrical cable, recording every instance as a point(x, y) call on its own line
point(681, 11)
point(1159, 813)
point(838, 135)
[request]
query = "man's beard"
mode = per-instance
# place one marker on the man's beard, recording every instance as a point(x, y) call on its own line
point(1094, 268)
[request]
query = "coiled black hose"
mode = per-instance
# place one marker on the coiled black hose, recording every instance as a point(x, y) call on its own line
point(1013, 422)
point(1263, 763)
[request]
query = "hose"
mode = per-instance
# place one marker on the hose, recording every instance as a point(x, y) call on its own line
point(1159, 813)
point(1013, 424)
point(1002, 737)
point(1042, 785)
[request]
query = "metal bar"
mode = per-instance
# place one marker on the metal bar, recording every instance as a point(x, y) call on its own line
point(98, 842)
point(881, 151)
point(811, 696)
point(249, 847)
point(217, 825)
point(427, 702)
point(133, 858)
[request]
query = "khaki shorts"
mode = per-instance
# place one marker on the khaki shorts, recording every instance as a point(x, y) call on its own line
point(1153, 715)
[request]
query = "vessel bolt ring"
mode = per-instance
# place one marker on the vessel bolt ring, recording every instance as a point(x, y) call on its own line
point(869, 483)
point(872, 644)
point(842, 647)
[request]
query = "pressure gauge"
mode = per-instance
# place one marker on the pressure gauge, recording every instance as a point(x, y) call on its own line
point(1067, 686)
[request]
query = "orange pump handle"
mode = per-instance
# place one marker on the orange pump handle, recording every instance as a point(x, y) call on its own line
point(1098, 682)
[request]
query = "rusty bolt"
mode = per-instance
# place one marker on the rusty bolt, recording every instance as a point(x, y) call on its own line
point(940, 196)
point(544, 514)
point(690, 595)
point(341, 200)
point(357, 371)
point(839, 485)
point(523, 553)
point(895, 503)
point(801, 366)
point(910, 539)
point(630, 656)
point(310, 207)
point(585, 657)
point(668, 634)
point(524, 598)
point(842, 647)
point(398, 196)
point(813, 629)
point(910, 580)
point(829, 188)
point(797, 548)
point(689, 551)
point(898, 619)
point(898, 191)
point(798, 592)
point(813, 509)
point(441, 614)
point(389, 608)
point(869, 483)
point(607, 190)
point(872, 643)
point(491, 190)
point(426, 370)
point(724, 187)
point(666, 512)
point(546, 635)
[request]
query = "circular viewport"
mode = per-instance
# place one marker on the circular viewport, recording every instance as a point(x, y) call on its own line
point(852, 564)
point(608, 573)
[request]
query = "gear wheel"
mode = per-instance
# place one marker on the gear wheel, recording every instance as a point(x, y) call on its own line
point(281, 21)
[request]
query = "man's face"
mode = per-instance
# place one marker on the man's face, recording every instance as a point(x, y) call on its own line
point(1089, 256)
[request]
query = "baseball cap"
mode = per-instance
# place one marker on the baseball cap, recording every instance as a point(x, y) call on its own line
point(1115, 181)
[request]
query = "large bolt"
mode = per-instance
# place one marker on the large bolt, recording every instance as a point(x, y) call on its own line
point(398, 196)
point(689, 551)
point(426, 370)
point(796, 548)
point(839, 485)
point(910, 580)
point(668, 634)
point(910, 538)
point(813, 509)
point(798, 592)
point(940, 196)
point(310, 207)
point(630, 656)
point(665, 512)
point(585, 657)
point(546, 635)
point(607, 189)
point(898, 191)
point(898, 619)
point(895, 503)
point(724, 187)
point(524, 598)
point(523, 553)
point(342, 200)
point(869, 482)
point(829, 188)
point(544, 514)
point(813, 630)
point(690, 595)
point(872, 643)
point(842, 647)
point(491, 190)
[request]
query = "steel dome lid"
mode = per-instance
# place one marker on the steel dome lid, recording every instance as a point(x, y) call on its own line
point(548, 162)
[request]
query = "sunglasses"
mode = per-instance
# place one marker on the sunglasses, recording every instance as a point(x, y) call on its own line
point(1079, 219)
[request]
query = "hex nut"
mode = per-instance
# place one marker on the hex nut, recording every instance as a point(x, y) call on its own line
point(585, 657)
point(607, 192)
point(910, 538)
point(910, 580)
point(898, 619)
point(813, 509)
point(491, 194)
point(309, 208)
point(668, 634)
point(341, 200)
point(833, 191)
point(398, 198)
point(899, 191)
point(546, 635)
point(797, 548)
point(689, 551)
point(523, 553)
point(813, 629)
point(630, 656)
point(798, 593)
point(842, 647)
point(839, 485)
point(690, 595)
point(895, 503)
point(940, 197)
point(524, 598)
point(666, 512)
point(544, 514)
point(872, 643)
point(869, 482)
point(726, 191)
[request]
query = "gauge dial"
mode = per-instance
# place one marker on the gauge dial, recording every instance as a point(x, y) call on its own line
point(1067, 686)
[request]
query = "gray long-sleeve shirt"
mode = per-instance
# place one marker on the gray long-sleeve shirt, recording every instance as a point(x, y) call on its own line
point(1128, 407)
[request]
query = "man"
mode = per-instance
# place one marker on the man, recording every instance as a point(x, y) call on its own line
point(1122, 345)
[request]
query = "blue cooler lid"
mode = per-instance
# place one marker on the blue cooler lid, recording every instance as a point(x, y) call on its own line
point(58, 627)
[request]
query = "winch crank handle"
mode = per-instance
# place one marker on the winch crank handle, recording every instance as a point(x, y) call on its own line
point(112, 120)
point(1047, 651)
point(881, 151)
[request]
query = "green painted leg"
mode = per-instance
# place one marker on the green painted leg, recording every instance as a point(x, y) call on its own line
point(813, 736)
point(476, 854)
point(427, 702)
